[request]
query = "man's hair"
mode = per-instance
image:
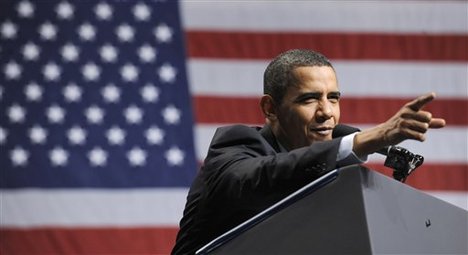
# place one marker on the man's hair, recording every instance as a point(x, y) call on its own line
point(279, 74)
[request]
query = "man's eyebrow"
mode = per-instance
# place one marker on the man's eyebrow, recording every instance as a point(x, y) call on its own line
point(308, 95)
point(334, 93)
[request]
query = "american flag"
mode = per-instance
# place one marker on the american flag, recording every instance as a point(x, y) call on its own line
point(97, 150)
point(94, 99)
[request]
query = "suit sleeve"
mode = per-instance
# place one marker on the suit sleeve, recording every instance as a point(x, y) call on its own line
point(243, 167)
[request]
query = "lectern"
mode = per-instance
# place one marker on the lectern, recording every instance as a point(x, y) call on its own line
point(352, 210)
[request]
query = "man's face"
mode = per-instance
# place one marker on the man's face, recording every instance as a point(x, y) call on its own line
point(310, 110)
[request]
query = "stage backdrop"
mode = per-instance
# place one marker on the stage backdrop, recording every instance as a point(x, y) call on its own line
point(108, 107)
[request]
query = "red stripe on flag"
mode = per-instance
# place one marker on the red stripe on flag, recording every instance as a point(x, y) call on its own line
point(87, 240)
point(217, 109)
point(440, 177)
point(258, 45)
point(214, 109)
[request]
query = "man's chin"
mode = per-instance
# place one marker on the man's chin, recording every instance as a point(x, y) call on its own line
point(320, 136)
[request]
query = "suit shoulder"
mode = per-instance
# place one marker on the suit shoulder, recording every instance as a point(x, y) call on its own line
point(235, 134)
point(237, 130)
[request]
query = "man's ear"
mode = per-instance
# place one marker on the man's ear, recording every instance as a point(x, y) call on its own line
point(268, 107)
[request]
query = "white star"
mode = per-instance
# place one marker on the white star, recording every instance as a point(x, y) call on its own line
point(110, 93)
point(58, 156)
point(87, 32)
point(136, 156)
point(125, 33)
point(25, 9)
point(141, 12)
point(37, 134)
point(97, 157)
point(163, 33)
point(76, 135)
point(51, 72)
point(167, 73)
point(3, 135)
point(149, 93)
point(31, 51)
point(16, 113)
point(48, 31)
point(171, 115)
point(72, 93)
point(70, 52)
point(154, 135)
point(174, 156)
point(12, 70)
point(147, 53)
point(64, 10)
point(55, 114)
point(103, 11)
point(8, 30)
point(94, 114)
point(91, 72)
point(129, 73)
point(19, 156)
point(108, 53)
point(115, 135)
point(133, 114)
point(33, 92)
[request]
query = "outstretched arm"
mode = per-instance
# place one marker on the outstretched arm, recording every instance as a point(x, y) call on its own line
point(410, 122)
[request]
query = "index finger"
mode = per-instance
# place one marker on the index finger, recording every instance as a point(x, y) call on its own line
point(419, 102)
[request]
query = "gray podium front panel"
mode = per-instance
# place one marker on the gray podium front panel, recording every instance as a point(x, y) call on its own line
point(361, 212)
point(403, 220)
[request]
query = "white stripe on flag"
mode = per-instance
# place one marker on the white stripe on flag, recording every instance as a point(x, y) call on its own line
point(431, 149)
point(356, 78)
point(328, 16)
point(105, 208)
point(92, 207)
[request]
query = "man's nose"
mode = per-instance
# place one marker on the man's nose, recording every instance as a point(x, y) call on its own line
point(324, 111)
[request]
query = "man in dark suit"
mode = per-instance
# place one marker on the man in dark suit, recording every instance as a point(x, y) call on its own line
point(248, 169)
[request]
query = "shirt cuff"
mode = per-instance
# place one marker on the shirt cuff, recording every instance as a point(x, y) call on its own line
point(346, 155)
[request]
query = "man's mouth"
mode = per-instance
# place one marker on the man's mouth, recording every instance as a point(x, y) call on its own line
point(322, 131)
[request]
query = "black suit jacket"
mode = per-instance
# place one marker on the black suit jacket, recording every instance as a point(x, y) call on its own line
point(244, 173)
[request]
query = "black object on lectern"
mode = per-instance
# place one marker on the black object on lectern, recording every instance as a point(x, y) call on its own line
point(354, 211)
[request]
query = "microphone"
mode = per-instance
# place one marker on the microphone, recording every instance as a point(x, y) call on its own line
point(400, 159)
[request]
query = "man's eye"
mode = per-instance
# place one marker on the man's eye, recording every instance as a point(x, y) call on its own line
point(334, 98)
point(308, 100)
